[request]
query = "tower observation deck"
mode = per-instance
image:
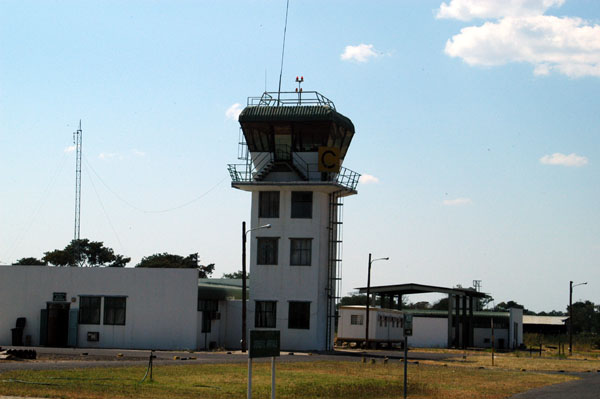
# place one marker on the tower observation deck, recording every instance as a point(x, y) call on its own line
point(283, 132)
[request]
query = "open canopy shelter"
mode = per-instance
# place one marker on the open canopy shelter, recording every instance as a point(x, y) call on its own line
point(461, 304)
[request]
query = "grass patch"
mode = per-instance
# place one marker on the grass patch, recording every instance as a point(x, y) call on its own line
point(341, 379)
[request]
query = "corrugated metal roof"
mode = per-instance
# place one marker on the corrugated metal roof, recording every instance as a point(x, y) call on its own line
point(430, 312)
point(221, 289)
point(295, 114)
point(545, 320)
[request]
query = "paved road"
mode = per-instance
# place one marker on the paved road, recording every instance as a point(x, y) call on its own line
point(586, 388)
point(64, 358)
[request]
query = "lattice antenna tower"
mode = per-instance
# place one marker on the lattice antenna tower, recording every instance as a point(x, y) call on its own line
point(77, 136)
point(477, 285)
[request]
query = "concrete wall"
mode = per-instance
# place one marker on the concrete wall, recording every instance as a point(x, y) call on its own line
point(385, 325)
point(515, 328)
point(429, 332)
point(483, 336)
point(161, 310)
point(226, 331)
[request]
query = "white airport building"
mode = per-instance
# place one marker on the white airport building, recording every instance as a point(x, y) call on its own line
point(131, 308)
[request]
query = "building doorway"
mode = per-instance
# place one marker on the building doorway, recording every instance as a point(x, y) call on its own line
point(58, 324)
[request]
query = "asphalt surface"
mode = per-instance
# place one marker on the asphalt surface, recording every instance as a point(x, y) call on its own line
point(65, 358)
point(588, 387)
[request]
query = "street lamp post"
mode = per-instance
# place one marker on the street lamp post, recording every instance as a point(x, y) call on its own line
point(369, 297)
point(571, 286)
point(244, 233)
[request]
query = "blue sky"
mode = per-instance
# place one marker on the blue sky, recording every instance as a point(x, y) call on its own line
point(477, 131)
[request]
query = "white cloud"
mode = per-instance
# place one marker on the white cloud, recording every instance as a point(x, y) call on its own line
point(138, 153)
point(234, 111)
point(521, 33)
point(466, 10)
point(567, 45)
point(564, 160)
point(107, 155)
point(368, 179)
point(360, 53)
point(70, 148)
point(457, 202)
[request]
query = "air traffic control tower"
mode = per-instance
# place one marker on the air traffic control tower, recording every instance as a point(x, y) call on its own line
point(293, 146)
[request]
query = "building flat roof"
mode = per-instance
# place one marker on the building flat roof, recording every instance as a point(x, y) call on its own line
point(413, 288)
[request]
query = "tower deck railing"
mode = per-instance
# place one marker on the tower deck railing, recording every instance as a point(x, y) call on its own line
point(253, 172)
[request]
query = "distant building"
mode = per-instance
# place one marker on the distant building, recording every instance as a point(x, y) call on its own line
point(430, 327)
point(551, 325)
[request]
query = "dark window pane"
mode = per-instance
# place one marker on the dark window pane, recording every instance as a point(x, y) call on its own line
point(267, 250)
point(268, 204)
point(300, 251)
point(209, 308)
point(89, 309)
point(114, 310)
point(302, 204)
point(299, 315)
point(265, 314)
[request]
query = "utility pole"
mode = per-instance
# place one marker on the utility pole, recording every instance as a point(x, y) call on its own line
point(571, 286)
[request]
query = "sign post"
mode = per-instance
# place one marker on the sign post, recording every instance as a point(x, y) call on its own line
point(263, 343)
point(407, 329)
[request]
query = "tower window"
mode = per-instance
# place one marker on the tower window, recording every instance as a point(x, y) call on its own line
point(268, 204)
point(299, 315)
point(300, 251)
point(265, 314)
point(302, 204)
point(267, 250)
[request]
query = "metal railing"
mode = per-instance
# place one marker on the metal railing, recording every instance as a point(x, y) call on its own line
point(290, 98)
point(249, 171)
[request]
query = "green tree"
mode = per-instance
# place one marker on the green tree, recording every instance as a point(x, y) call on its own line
point(30, 262)
point(85, 253)
point(586, 317)
point(354, 299)
point(442, 304)
point(236, 275)
point(166, 260)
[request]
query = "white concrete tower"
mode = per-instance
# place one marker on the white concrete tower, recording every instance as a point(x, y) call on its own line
point(294, 145)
